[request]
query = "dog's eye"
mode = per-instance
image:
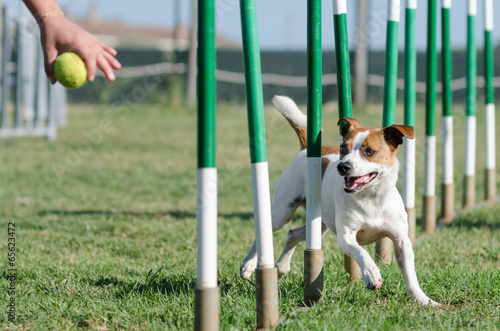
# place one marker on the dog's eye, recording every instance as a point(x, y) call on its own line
point(369, 152)
point(343, 149)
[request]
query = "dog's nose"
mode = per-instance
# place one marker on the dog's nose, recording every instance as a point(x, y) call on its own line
point(343, 168)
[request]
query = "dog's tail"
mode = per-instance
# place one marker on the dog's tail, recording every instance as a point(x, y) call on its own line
point(295, 117)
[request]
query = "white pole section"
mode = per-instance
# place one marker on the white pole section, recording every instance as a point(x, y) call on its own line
point(207, 227)
point(313, 211)
point(262, 214)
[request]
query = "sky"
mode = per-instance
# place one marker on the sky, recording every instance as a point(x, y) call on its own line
point(282, 23)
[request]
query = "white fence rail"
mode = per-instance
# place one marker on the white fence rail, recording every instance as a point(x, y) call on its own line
point(29, 104)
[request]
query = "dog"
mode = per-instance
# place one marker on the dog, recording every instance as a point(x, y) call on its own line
point(359, 199)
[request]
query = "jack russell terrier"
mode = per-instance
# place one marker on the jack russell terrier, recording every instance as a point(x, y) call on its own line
point(360, 201)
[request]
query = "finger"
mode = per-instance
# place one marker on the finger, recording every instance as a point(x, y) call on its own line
point(50, 56)
point(106, 68)
point(115, 64)
point(109, 49)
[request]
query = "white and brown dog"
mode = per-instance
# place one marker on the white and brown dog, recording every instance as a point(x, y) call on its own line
point(360, 201)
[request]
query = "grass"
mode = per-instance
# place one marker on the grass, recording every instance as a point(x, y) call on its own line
point(106, 232)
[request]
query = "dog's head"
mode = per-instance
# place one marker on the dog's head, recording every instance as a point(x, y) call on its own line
point(367, 154)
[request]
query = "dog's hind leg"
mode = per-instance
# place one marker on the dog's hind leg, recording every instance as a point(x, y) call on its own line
point(249, 263)
point(295, 237)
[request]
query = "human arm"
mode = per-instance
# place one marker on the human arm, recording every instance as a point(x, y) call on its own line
point(59, 34)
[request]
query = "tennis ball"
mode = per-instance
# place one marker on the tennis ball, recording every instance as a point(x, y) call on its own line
point(70, 70)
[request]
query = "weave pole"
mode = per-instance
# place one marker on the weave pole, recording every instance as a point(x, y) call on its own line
point(489, 116)
point(429, 203)
point(469, 197)
point(206, 292)
point(343, 88)
point(383, 248)
point(410, 79)
point(313, 254)
point(266, 274)
point(447, 184)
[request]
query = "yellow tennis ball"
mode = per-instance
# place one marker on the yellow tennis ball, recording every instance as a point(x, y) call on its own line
point(70, 70)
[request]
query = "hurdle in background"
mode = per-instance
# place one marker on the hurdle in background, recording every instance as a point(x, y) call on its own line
point(410, 80)
point(447, 186)
point(343, 88)
point(429, 199)
point(206, 292)
point(383, 248)
point(489, 116)
point(266, 274)
point(469, 192)
point(313, 254)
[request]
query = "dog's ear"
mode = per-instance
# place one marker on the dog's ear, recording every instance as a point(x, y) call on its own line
point(349, 125)
point(394, 134)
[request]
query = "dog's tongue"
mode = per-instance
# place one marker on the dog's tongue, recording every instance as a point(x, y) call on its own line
point(355, 182)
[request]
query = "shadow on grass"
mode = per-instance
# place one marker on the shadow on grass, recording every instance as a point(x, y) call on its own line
point(176, 214)
point(171, 284)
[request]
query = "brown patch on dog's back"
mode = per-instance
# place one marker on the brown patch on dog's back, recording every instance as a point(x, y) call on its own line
point(301, 134)
point(327, 150)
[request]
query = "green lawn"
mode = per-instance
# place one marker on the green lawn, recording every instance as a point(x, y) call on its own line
point(106, 219)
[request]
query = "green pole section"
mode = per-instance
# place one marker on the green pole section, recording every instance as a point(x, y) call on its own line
point(446, 62)
point(430, 97)
point(253, 81)
point(314, 71)
point(471, 67)
point(489, 67)
point(206, 84)
point(410, 67)
point(342, 62)
point(391, 73)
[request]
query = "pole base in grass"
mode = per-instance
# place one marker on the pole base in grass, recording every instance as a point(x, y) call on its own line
point(313, 275)
point(383, 250)
point(490, 185)
point(429, 214)
point(412, 224)
point(469, 199)
point(352, 267)
point(206, 308)
point(266, 280)
point(447, 202)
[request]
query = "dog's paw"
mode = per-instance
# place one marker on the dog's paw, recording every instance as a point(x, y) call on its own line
point(372, 278)
point(283, 268)
point(429, 302)
point(247, 268)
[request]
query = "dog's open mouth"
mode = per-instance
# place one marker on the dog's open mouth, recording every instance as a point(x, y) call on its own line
point(356, 184)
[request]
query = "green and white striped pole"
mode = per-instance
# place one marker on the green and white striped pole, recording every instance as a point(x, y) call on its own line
point(207, 291)
point(409, 115)
point(343, 88)
point(429, 206)
point(383, 248)
point(469, 197)
point(447, 185)
point(313, 255)
point(489, 116)
point(266, 273)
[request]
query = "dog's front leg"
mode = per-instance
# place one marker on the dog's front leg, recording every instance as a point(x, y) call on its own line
point(406, 262)
point(371, 274)
point(249, 263)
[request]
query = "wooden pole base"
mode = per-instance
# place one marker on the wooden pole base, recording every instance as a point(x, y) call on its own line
point(447, 202)
point(267, 298)
point(429, 214)
point(352, 267)
point(469, 191)
point(490, 185)
point(383, 250)
point(313, 275)
point(206, 308)
point(412, 224)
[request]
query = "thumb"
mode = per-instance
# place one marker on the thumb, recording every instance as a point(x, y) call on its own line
point(50, 56)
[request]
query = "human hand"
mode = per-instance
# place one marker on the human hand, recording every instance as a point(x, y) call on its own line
point(59, 34)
